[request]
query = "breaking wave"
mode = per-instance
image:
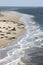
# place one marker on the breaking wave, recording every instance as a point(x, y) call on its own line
point(28, 49)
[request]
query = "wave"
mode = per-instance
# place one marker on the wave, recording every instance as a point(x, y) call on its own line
point(30, 43)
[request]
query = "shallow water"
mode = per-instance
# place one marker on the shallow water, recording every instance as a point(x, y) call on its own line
point(29, 47)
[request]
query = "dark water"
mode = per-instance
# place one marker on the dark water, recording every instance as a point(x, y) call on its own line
point(35, 53)
point(36, 11)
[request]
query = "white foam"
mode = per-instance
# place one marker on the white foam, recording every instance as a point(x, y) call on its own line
point(28, 41)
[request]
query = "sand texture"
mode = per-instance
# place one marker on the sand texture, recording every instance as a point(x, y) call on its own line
point(10, 27)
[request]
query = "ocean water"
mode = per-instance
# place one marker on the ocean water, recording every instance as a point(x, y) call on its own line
point(28, 49)
point(36, 11)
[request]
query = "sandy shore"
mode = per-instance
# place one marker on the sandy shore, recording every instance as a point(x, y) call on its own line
point(10, 27)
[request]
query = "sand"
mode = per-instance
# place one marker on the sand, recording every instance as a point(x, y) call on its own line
point(10, 27)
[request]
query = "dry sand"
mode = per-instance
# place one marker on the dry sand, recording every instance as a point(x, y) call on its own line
point(10, 27)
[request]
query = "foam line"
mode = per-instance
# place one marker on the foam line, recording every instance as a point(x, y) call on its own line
point(32, 36)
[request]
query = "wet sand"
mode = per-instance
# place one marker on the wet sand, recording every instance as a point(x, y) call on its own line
point(10, 27)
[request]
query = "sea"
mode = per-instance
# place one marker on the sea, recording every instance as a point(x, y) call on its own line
point(29, 50)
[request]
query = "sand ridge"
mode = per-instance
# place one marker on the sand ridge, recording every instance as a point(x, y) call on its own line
point(10, 27)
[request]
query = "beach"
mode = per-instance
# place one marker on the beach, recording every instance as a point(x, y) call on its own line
point(10, 27)
point(26, 50)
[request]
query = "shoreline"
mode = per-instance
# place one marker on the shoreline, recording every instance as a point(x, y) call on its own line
point(15, 17)
point(25, 43)
point(17, 41)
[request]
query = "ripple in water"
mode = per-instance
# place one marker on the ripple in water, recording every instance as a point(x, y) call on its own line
point(28, 50)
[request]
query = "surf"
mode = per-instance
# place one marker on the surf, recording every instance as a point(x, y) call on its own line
point(32, 38)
